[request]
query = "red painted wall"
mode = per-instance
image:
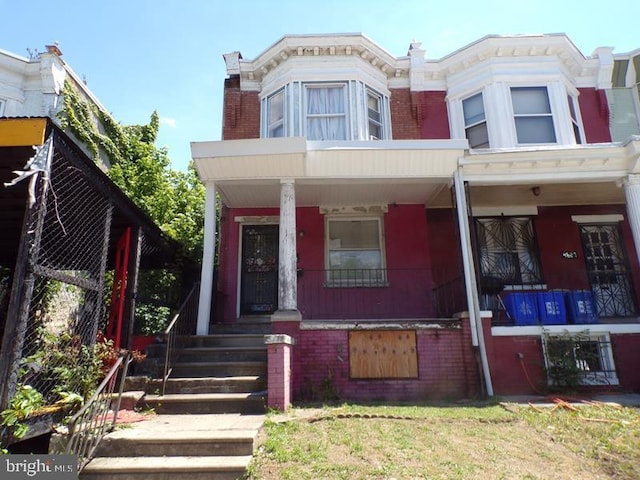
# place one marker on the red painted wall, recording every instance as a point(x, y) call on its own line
point(320, 366)
point(407, 260)
point(595, 115)
point(626, 355)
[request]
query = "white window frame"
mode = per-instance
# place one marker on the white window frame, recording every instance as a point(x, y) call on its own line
point(474, 124)
point(345, 114)
point(272, 126)
point(2, 104)
point(379, 279)
point(574, 116)
point(378, 123)
point(607, 376)
point(533, 115)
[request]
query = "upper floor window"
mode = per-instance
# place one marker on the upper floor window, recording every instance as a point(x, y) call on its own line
point(532, 115)
point(374, 112)
point(475, 122)
point(332, 111)
point(326, 112)
point(574, 119)
point(275, 109)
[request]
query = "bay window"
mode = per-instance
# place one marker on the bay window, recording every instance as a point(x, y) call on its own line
point(328, 111)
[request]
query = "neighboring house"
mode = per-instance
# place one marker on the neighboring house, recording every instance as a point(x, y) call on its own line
point(63, 226)
point(428, 229)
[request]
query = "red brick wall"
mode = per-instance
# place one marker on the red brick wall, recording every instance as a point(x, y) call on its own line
point(626, 355)
point(446, 367)
point(241, 112)
point(595, 115)
point(418, 115)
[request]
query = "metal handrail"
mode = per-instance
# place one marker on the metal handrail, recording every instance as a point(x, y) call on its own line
point(87, 427)
point(177, 327)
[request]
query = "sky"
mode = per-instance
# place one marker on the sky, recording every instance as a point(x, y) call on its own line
point(138, 56)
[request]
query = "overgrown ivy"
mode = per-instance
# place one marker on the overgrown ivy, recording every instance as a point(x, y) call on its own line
point(174, 200)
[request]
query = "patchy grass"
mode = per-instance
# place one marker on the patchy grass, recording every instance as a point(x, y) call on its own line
point(414, 442)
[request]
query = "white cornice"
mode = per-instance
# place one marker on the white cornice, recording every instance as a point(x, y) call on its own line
point(530, 52)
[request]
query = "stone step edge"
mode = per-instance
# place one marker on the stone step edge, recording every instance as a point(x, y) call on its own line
point(198, 436)
point(191, 397)
point(167, 464)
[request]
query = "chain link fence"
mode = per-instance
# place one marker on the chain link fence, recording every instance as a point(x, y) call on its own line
point(62, 282)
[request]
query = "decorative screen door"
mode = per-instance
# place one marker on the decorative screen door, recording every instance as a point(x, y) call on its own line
point(259, 270)
point(608, 270)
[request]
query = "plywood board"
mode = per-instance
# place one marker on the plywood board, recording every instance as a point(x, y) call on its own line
point(383, 354)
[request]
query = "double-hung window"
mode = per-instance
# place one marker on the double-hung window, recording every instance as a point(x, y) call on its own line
point(355, 253)
point(326, 115)
point(574, 119)
point(508, 251)
point(275, 115)
point(374, 114)
point(475, 122)
point(532, 115)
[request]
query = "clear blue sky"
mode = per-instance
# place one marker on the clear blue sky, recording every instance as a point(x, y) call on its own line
point(142, 55)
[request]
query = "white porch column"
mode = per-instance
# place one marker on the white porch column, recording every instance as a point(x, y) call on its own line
point(208, 259)
point(632, 194)
point(287, 278)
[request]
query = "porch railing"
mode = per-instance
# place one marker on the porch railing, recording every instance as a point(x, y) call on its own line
point(99, 413)
point(183, 323)
point(379, 294)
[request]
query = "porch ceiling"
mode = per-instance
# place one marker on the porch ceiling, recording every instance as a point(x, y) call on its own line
point(247, 173)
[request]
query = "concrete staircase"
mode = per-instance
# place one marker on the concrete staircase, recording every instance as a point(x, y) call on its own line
point(206, 423)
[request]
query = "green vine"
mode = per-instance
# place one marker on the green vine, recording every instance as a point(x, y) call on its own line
point(81, 118)
point(566, 356)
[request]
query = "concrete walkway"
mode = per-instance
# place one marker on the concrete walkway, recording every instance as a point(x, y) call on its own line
point(623, 399)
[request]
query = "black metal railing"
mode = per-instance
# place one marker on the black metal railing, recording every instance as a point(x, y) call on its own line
point(378, 294)
point(183, 323)
point(99, 414)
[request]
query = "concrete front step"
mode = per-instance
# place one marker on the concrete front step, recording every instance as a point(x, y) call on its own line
point(219, 369)
point(223, 339)
point(250, 383)
point(166, 468)
point(170, 443)
point(223, 354)
point(207, 403)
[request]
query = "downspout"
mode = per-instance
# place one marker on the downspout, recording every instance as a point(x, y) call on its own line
point(475, 319)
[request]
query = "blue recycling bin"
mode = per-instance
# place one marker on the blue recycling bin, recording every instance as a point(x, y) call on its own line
point(522, 307)
point(581, 306)
point(551, 308)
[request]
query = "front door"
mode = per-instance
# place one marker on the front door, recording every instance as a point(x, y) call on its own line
point(608, 270)
point(259, 270)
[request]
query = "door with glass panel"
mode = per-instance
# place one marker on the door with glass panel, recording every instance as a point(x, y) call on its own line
point(608, 270)
point(259, 270)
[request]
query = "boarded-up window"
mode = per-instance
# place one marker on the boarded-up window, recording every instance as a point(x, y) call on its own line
point(383, 354)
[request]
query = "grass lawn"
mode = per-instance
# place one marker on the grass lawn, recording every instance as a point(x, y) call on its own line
point(509, 441)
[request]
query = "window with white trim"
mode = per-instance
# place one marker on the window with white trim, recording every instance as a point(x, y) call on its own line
point(374, 113)
point(574, 118)
point(2, 102)
point(326, 114)
point(354, 251)
point(330, 111)
point(475, 122)
point(532, 115)
point(275, 115)
point(583, 358)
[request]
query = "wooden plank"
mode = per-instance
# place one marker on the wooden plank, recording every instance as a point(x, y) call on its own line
point(22, 132)
point(383, 354)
